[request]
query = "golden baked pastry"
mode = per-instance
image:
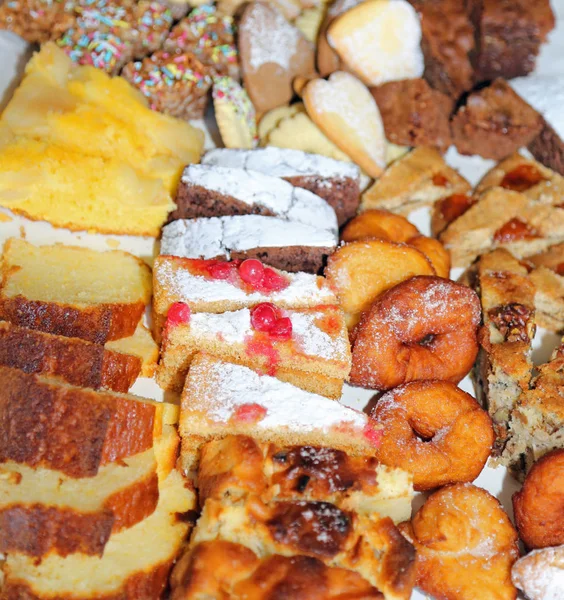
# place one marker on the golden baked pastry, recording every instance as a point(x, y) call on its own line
point(465, 545)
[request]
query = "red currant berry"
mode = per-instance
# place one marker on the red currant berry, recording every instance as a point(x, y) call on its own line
point(178, 313)
point(220, 270)
point(251, 271)
point(273, 282)
point(282, 329)
point(263, 316)
point(250, 413)
point(374, 436)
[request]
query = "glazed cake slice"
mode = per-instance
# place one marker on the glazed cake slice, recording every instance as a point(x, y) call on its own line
point(306, 347)
point(420, 178)
point(222, 569)
point(237, 467)
point(503, 218)
point(72, 360)
point(282, 244)
point(335, 181)
point(71, 291)
point(503, 369)
point(217, 286)
point(220, 399)
point(136, 562)
point(212, 191)
point(369, 546)
point(50, 424)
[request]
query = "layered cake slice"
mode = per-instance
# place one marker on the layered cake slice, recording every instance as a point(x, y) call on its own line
point(211, 191)
point(221, 569)
point(237, 467)
point(71, 291)
point(77, 464)
point(503, 218)
point(217, 286)
point(503, 369)
point(420, 178)
point(220, 399)
point(136, 562)
point(335, 181)
point(307, 347)
point(286, 245)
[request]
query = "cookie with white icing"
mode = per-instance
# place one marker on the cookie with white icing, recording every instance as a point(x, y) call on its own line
point(272, 52)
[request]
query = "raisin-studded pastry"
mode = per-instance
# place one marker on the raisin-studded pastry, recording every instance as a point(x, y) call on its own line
point(503, 369)
point(420, 178)
point(503, 218)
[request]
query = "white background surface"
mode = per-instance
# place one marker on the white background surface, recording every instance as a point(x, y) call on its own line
point(13, 55)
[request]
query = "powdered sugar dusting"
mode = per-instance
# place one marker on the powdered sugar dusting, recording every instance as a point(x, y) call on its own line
point(178, 283)
point(228, 386)
point(219, 236)
point(315, 342)
point(345, 97)
point(254, 188)
point(271, 39)
point(540, 574)
point(282, 162)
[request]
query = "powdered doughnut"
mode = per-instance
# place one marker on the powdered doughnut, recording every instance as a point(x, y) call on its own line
point(459, 433)
point(539, 506)
point(423, 328)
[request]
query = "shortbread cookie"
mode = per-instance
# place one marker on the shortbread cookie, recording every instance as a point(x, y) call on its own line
point(272, 52)
point(272, 119)
point(328, 60)
point(337, 182)
point(379, 40)
point(212, 191)
point(309, 23)
point(234, 113)
point(346, 112)
point(417, 179)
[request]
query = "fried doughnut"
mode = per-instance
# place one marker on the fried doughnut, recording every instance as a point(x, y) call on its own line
point(423, 328)
point(435, 431)
point(434, 251)
point(379, 224)
point(465, 545)
point(539, 506)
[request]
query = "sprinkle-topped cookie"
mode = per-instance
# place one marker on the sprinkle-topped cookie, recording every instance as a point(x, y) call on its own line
point(176, 84)
point(210, 36)
point(235, 114)
point(37, 21)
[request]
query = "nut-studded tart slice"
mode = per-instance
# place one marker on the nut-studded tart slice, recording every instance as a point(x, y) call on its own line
point(420, 178)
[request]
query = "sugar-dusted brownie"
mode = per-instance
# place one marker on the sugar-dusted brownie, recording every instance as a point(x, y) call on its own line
point(335, 181)
point(494, 123)
point(176, 84)
point(419, 118)
point(447, 42)
point(508, 36)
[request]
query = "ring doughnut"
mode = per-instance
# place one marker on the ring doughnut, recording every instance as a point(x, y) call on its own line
point(435, 431)
point(539, 506)
point(423, 328)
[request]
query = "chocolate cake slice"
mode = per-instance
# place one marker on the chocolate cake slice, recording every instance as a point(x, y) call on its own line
point(211, 191)
point(335, 181)
point(286, 245)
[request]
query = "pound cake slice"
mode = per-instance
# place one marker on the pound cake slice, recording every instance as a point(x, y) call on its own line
point(503, 218)
point(211, 191)
point(141, 345)
point(217, 286)
point(230, 571)
point(335, 181)
point(371, 547)
point(135, 565)
point(307, 347)
point(220, 399)
point(237, 467)
point(420, 178)
point(71, 291)
point(288, 246)
point(72, 360)
point(50, 424)
point(503, 369)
